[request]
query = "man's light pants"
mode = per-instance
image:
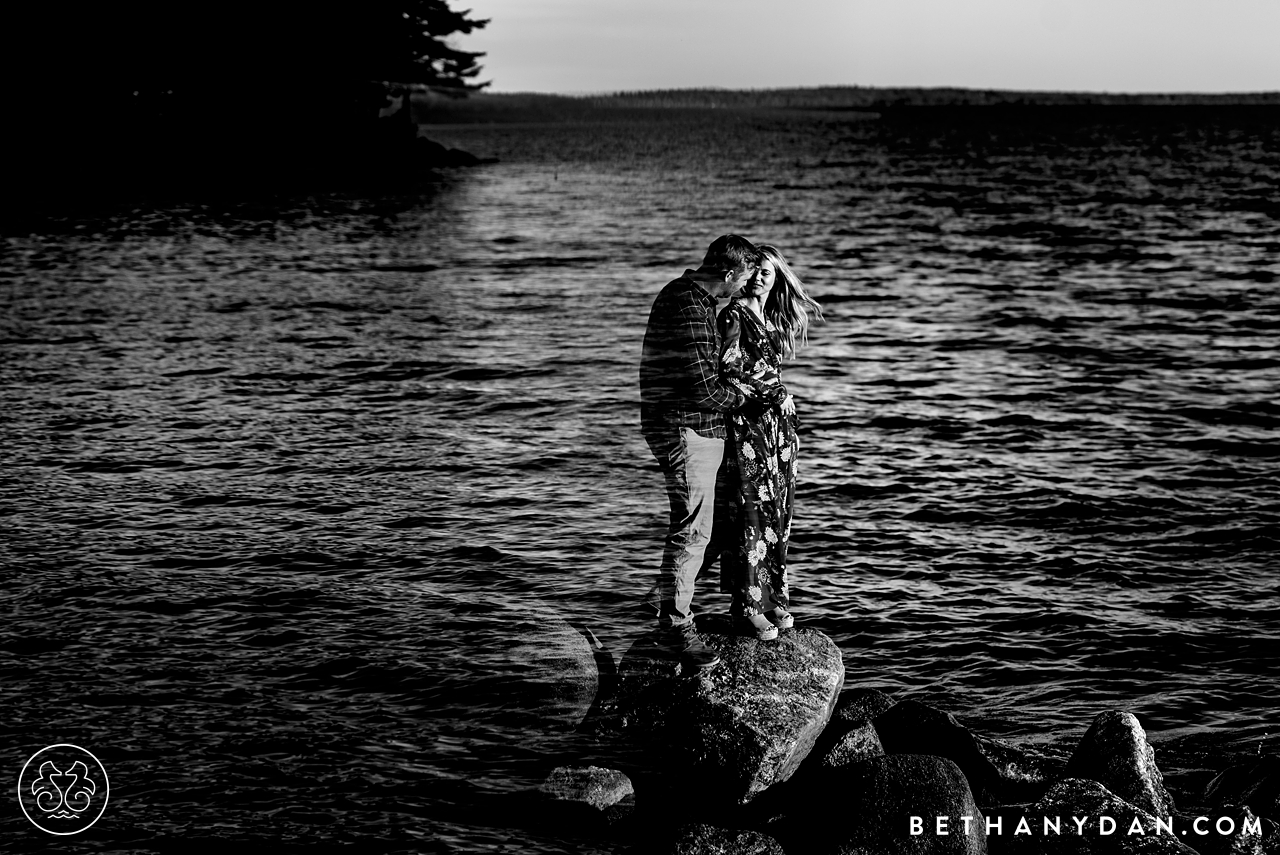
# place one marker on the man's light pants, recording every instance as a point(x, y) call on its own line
point(689, 464)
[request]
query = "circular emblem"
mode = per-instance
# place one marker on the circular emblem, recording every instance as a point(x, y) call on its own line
point(63, 789)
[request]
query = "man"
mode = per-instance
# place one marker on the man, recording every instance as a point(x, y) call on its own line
point(682, 407)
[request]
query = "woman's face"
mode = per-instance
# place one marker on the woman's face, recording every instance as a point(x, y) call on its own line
point(762, 282)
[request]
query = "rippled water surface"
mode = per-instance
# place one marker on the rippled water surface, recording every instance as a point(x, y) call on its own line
point(279, 475)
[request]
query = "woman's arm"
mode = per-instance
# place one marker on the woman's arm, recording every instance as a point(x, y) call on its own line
point(738, 358)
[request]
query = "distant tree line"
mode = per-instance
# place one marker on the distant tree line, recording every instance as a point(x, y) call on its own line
point(877, 98)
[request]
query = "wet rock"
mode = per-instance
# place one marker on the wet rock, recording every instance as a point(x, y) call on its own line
point(860, 743)
point(437, 155)
point(1115, 753)
point(590, 785)
point(857, 706)
point(876, 805)
point(575, 801)
point(848, 737)
point(911, 727)
point(1026, 772)
point(1079, 816)
point(1255, 784)
point(1270, 837)
point(702, 839)
point(741, 727)
point(1225, 831)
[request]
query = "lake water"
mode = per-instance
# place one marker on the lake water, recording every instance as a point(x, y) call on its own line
point(279, 473)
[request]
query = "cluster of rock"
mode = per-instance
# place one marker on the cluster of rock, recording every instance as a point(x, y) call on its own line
point(770, 753)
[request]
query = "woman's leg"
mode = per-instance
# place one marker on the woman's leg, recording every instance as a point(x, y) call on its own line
point(789, 447)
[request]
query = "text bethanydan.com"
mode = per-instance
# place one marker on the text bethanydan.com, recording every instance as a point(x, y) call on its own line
point(1201, 826)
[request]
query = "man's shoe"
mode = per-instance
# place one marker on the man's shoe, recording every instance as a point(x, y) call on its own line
point(695, 656)
point(764, 630)
point(782, 618)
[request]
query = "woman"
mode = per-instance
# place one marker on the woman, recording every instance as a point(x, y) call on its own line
point(760, 328)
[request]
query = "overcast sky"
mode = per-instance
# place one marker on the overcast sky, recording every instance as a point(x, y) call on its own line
point(576, 46)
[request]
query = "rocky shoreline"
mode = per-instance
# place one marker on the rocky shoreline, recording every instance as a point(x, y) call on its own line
point(772, 752)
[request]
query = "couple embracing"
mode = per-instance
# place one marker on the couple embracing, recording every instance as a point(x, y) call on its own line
point(714, 409)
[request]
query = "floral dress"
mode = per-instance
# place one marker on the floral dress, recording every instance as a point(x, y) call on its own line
point(760, 464)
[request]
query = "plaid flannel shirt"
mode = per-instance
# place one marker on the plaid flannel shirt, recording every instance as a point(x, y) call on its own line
point(680, 384)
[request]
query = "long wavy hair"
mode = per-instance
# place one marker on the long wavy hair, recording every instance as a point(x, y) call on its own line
point(789, 308)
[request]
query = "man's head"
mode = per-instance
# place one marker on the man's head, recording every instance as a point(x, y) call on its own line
point(730, 260)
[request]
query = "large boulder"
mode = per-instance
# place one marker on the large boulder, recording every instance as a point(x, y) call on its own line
point(911, 727)
point(1256, 784)
point(737, 729)
point(1115, 753)
point(1079, 816)
point(900, 803)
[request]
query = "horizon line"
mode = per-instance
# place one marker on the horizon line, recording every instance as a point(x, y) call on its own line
point(605, 93)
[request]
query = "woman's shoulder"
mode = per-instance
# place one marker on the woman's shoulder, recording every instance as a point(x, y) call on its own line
point(733, 308)
point(731, 313)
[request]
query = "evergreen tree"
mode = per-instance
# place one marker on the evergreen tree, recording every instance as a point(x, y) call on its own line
point(412, 39)
point(149, 93)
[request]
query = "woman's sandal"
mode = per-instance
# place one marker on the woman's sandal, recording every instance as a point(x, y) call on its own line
point(764, 628)
point(782, 618)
